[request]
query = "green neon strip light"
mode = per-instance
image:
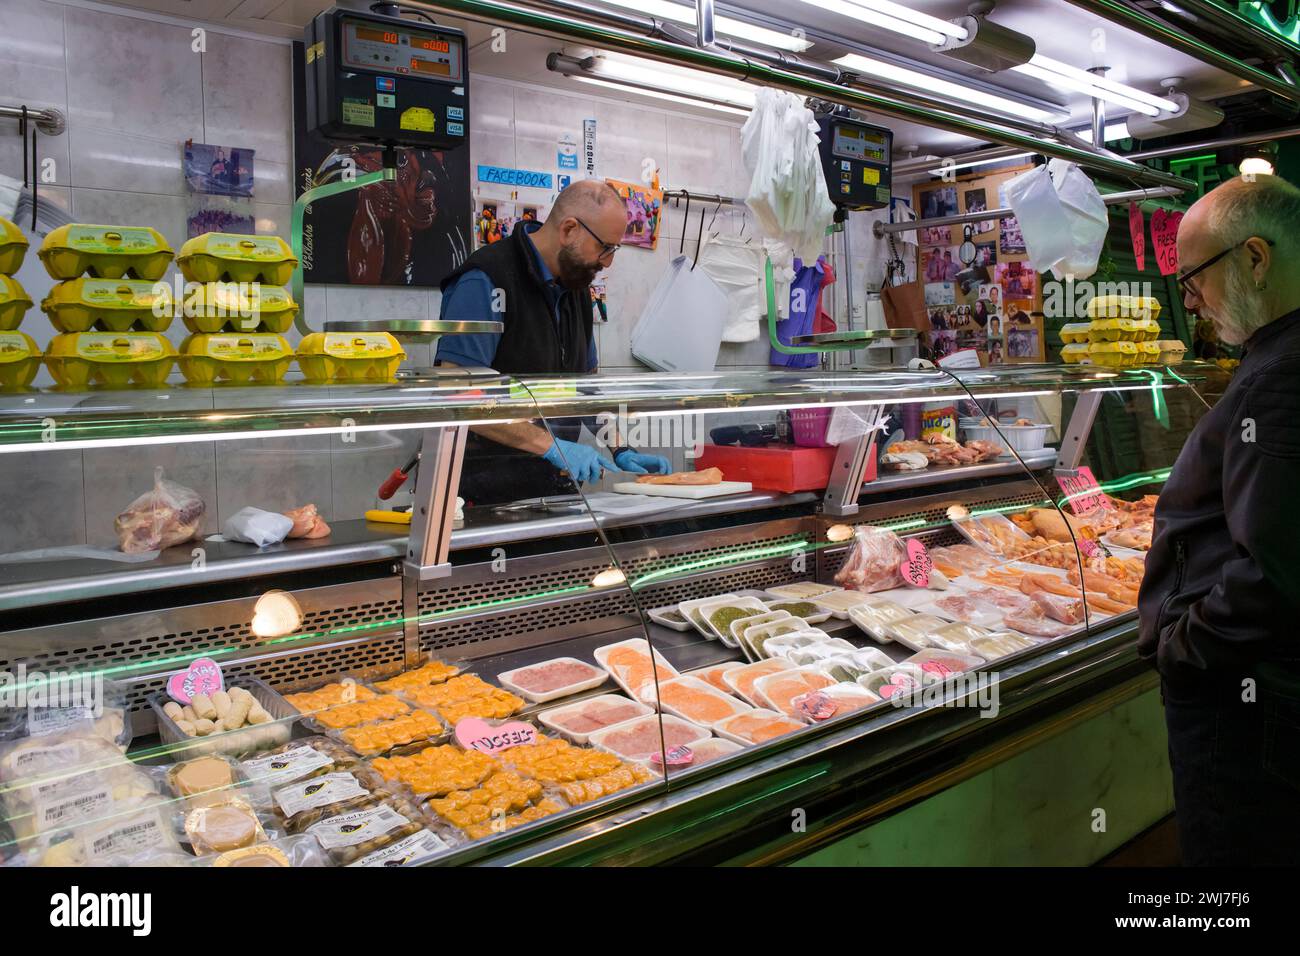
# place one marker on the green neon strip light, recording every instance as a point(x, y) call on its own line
point(735, 557)
point(1193, 160)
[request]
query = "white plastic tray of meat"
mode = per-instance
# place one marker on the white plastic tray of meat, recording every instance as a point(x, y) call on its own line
point(971, 610)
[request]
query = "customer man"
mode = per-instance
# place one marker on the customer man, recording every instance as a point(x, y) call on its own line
point(1220, 603)
point(537, 282)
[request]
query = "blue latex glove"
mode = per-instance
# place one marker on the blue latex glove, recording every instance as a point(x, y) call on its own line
point(582, 463)
point(639, 463)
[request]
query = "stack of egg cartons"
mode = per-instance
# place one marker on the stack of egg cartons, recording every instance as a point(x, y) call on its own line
point(237, 315)
point(109, 306)
point(19, 355)
point(1122, 330)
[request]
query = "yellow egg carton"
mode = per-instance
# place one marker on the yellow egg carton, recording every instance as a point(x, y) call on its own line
point(1074, 332)
point(1113, 354)
point(239, 307)
point(1123, 330)
point(13, 247)
point(14, 303)
point(224, 255)
point(1148, 353)
point(20, 358)
point(349, 357)
point(116, 359)
point(1123, 307)
point(236, 357)
point(1074, 353)
point(105, 252)
point(112, 305)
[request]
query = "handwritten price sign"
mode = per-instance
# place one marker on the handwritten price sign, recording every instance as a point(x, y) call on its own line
point(201, 677)
point(1082, 492)
point(917, 566)
point(1137, 230)
point(1164, 238)
point(474, 733)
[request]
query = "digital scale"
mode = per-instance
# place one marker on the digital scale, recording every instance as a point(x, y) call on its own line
point(385, 79)
point(856, 161)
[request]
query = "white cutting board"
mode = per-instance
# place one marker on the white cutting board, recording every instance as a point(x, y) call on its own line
point(684, 491)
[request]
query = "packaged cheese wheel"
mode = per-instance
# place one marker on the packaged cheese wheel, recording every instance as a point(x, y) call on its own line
point(14, 303)
point(112, 305)
point(241, 258)
point(238, 357)
point(109, 252)
point(13, 247)
point(115, 359)
point(20, 358)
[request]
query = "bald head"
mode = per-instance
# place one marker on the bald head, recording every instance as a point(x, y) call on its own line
point(1253, 221)
point(580, 236)
point(586, 199)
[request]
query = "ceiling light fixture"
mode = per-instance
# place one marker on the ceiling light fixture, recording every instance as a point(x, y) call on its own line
point(661, 95)
point(727, 26)
point(881, 69)
point(1255, 166)
point(1060, 74)
point(629, 71)
point(918, 26)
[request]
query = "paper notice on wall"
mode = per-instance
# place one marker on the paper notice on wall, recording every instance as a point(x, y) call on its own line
point(589, 148)
point(566, 154)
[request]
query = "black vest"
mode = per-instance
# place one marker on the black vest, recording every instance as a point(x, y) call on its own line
point(531, 343)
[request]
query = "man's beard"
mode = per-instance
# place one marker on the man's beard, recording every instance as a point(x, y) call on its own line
point(575, 273)
point(1244, 310)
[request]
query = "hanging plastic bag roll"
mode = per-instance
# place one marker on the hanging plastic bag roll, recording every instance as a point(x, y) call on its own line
point(1062, 218)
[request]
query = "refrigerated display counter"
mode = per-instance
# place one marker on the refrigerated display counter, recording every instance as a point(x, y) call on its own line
point(546, 681)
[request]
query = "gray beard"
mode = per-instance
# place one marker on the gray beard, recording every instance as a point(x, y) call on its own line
point(1245, 309)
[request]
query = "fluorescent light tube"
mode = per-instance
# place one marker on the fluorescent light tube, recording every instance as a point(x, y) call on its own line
point(673, 80)
point(1104, 83)
point(862, 14)
point(660, 95)
point(1114, 131)
point(727, 26)
point(1089, 88)
point(930, 84)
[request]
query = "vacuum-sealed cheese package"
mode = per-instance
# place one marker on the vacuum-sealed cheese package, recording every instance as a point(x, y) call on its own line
point(167, 515)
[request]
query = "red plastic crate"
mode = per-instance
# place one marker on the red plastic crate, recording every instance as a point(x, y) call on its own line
point(784, 468)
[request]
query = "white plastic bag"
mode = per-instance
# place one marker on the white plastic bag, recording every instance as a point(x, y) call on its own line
point(680, 328)
point(737, 267)
point(169, 514)
point(1062, 218)
point(255, 526)
point(787, 189)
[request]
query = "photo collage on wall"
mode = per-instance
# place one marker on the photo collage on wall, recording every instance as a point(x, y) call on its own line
point(980, 294)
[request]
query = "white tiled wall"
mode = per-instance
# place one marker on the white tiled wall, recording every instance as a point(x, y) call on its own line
point(134, 91)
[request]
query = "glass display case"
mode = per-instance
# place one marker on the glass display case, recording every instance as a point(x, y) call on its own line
point(333, 625)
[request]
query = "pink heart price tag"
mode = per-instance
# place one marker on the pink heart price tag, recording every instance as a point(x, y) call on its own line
point(202, 677)
point(475, 733)
point(1082, 493)
point(916, 568)
point(677, 756)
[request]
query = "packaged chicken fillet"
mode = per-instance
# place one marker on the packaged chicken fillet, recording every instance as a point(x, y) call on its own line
point(873, 561)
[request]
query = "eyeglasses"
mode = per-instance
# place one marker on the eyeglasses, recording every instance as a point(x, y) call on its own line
point(606, 248)
point(1185, 280)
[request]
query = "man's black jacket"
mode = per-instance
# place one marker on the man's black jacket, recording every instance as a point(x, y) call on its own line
point(1222, 586)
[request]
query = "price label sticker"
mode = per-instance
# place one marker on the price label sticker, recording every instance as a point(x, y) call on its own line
point(202, 677)
point(475, 733)
point(916, 567)
point(676, 757)
point(1082, 492)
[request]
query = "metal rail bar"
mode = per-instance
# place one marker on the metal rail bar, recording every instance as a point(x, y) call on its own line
point(1110, 199)
point(1202, 144)
point(724, 63)
point(49, 121)
point(1126, 16)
